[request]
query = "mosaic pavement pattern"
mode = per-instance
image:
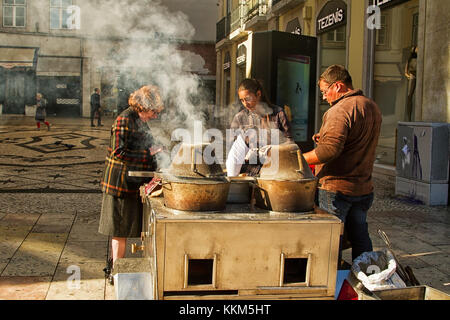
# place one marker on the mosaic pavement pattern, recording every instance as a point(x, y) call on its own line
point(64, 159)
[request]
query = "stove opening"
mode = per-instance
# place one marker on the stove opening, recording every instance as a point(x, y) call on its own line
point(295, 270)
point(200, 271)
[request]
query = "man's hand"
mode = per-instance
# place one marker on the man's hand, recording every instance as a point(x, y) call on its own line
point(311, 157)
point(316, 138)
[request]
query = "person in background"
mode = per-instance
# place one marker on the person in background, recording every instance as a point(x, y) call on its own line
point(345, 154)
point(41, 111)
point(130, 149)
point(258, 113)
point(95, 108)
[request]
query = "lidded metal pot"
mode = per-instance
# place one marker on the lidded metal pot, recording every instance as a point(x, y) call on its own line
point(191, 184)
point(286, 183)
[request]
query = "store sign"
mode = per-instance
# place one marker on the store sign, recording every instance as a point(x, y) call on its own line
point(332, 15)
point(241, 54)
point(387, 3)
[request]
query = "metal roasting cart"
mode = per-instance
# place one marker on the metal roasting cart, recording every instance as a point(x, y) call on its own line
point(239, 253)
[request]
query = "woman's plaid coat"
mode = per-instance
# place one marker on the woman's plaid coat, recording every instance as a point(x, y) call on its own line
point(128, 151)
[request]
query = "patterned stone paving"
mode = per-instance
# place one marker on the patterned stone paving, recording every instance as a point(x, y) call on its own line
point(50, 203)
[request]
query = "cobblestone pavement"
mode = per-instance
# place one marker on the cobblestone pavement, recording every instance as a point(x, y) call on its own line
point(50, 203)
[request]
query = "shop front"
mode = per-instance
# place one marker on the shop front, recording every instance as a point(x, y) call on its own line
point(17, 78)
point(394, 61)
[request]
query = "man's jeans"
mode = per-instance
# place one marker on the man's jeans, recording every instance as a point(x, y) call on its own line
point(353, 212)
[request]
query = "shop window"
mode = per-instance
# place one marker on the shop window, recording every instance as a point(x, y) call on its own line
point(382, 34)
point(14, 13)
point(59, 15)
point(415, 30)
point(337, 35)
point(393, 91)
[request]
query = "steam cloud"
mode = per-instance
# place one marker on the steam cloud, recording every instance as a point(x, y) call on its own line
point(150, 55)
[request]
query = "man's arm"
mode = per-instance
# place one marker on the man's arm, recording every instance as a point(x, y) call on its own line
point(311, 157)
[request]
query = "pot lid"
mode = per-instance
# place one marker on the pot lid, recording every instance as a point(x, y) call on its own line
point(195, 161)
point(285, 162)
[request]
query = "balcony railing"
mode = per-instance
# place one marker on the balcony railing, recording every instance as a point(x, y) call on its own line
point(220, 29)
point(247, 10)
point(255, 8)
point(223, 28)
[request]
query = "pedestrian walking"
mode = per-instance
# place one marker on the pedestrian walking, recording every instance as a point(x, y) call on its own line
point(41, 111)
point(345, 154)
point(130, 149)
point(96, 108)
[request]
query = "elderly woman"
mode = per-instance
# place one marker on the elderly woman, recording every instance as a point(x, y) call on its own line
point(130, 149)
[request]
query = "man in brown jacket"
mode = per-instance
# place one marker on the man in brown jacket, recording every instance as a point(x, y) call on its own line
point(345, 154)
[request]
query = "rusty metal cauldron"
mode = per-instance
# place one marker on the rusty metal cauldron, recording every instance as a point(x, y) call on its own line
point(190, 184)
point(286, 183)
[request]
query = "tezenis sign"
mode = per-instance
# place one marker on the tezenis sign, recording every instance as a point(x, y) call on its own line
point(332, 15)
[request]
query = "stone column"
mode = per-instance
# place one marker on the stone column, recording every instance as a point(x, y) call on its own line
point(433, 65)
point(86, 87)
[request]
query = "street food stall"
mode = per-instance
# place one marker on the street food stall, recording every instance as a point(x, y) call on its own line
point(202, 241)
point(208, 236)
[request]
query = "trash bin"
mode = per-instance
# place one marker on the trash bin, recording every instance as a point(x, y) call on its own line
point(377, 270)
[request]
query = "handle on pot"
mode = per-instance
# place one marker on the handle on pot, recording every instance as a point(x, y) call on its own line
point(194, 160)
point(300, 160)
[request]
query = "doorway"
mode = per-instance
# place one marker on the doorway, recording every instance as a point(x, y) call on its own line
point(394, 72)
point(63, 95)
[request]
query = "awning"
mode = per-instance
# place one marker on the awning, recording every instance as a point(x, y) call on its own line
point(11, 57)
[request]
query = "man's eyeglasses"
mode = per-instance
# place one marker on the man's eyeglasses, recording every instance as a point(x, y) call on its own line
point(324, 93)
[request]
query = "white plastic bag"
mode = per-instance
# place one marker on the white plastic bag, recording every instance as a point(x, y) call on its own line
point(376, 270)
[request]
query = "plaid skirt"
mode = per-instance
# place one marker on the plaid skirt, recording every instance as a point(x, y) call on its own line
point(121, 217)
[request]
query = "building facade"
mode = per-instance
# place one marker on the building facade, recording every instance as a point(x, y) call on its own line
point(66, 48)
point(397, 52)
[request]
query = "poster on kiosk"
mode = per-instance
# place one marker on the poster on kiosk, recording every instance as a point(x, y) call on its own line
point(286, 63)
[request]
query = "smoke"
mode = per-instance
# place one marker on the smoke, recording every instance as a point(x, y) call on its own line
point(145, 38)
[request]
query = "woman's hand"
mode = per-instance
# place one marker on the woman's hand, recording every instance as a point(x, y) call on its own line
point(155, 150)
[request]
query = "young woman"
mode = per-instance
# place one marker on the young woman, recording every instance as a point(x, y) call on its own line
point(258, 113)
